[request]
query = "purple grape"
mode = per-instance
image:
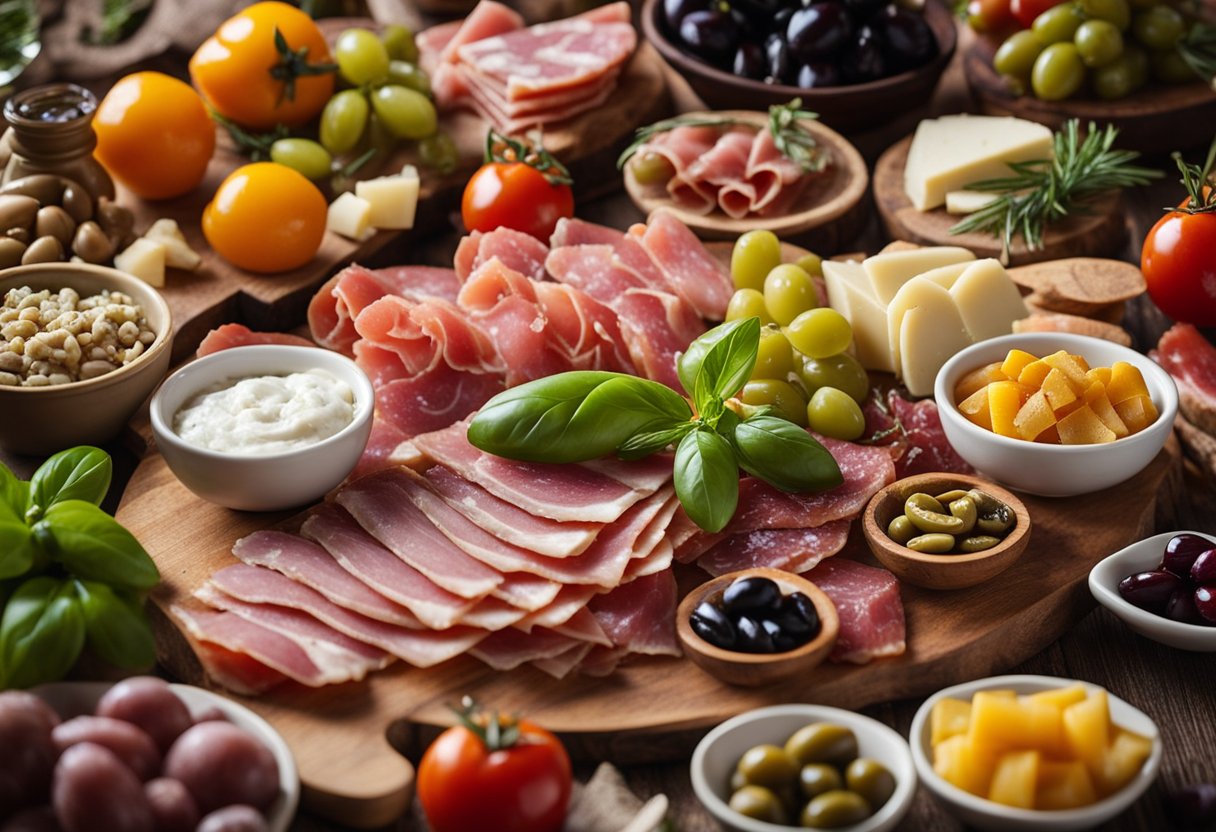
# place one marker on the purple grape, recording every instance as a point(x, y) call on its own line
point(711, 35)
point(778, 55)
point(864, 61)
point(819, 32)
point(1149, 590)
point(1182, 551)
point(674, 11)
point(1203, 571)
point(907, 39)
point(1193, 806)
point(815, 75)
point(1205, 602)
point(750, 61)
point(1181, 606)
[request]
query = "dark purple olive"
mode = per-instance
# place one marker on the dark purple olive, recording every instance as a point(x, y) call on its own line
point(1205, 602)
point(751, 595)
point(711, 35)
point(906, 38)
point(1182, 551)
point(750, 61)
point(711, 624)
point(798, 615)
point(1203, 571)
point(818, 32)
point(778, 55)
point(674, 11)
point(1149, 590)
point(862, 10)
point(1193, 806)
point(753, 638)
point(1181, 606)
point(781, 20)
point(815, 75)
point(783, 642)
point(864, 61)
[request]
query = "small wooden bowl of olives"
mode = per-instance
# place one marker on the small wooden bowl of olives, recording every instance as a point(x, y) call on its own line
point(951, 531)
point(757, 626)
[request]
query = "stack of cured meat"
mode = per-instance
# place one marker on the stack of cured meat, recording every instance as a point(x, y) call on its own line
point(516, 77)
point(1190, 359)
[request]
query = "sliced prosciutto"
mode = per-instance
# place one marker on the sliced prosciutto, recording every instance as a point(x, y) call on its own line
point(432, 400)
point(508, 649)
point(516, 250)
point(640, 615)
point(401, 338)
point(1191, 360)
point(438, 46)
point(793, 550)
point(560, 666)
point(914, 435)
point(691, 271)
point(569, 603)
point(871, 612)
point(238, 335)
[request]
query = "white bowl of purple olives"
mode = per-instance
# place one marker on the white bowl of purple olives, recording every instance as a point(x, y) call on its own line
point(1164, 588)
point(757, 626)
point(858, 63)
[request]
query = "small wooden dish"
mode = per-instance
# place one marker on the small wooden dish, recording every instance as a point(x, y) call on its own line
point(941, 571)
point(756, 669)
point(833, 198)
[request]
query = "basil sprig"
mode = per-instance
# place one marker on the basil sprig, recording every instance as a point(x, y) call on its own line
point(577, 416)
point(70, 574)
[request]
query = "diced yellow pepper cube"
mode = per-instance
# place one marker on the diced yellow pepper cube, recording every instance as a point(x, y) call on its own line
point(1004, 723)
point(1069, 366)
point(948, 718)
point(1032, 374)
point(1123, 760)
point(1063, 786)
point(1125, 382)
point(1137, 413)
point(1105, 412)
point(1004, 401)
point(1015, 362)
point(1034, 417)
point(975, 408)
point(1013, 782)
point(1101, 374)
point(957, 761)
point(1083, 427)
point(1059, 390)
point(1060, 697)
point(1080, 359)
point(976, 379)
point(1087, 730)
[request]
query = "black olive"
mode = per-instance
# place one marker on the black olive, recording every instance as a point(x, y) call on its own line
point(750, 61)
point(778, 57)
point(711, 35)
point(711, 624)
point(674, 11)
point(782, 641)
point(905, 37)
point(751, 594)
point(753, 638)
point(798, 606)
point(811, 76)
point(864, 61)
point(819, 32)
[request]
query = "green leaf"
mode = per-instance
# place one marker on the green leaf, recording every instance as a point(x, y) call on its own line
point(92, 545)
point(644, 444)
point(81, 473)
point(14, 494)
point(784, 455)
point(720, 362)
point(117, 630)
point(707, 479)
point(41, 633)
point(16, 548)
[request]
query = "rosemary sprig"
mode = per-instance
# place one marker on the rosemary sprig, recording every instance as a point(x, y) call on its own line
point(792, 140)
point(1198, 49)
point(1041, 192)
point(1201, 192)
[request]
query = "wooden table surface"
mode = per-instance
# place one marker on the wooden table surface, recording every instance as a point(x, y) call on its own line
point(1177, 689)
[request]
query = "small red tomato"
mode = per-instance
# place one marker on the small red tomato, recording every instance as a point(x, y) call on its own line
point(521, 189)
point(1179, 265)
point(513, 779)
point(990, 15)
point(1027, 10)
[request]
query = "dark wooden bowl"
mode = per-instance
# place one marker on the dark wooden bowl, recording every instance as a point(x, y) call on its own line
point(757, 669)
point(849, 109)
point(941, 571)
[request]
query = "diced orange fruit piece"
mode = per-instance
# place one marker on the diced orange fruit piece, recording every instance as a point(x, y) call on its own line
point(1069, 366)
point(1034, 417)
point(1004, 402)
point(1087, 729)
point(975, 408)
point(948, 718)
point(1063, 786)
point(1060, 697)
point(1051, 436)
point(1123, 759)
point(1013, 782)
point(1083, 427)
point(1125, 382)
point(1105, 412)
point(1059, 390)
point(957, 761)
point(1033, 373)
point(1101, 374)
point(1080, 359)
point(1137, 413)
point(1015, 362)
point(977, 379)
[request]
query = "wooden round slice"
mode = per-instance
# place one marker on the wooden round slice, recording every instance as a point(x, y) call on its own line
point(1101, 232)
point(828, 213)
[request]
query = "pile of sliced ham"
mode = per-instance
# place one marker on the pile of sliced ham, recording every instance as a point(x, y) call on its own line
point(517, 77)
point(1190, 359)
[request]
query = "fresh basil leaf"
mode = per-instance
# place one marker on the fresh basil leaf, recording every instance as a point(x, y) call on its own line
point(644, 444)
point(707, 479)
point(784, 455)
point(16, 548)
point(41, 633)
point(14, 494)
point(117, 630)
point(81, 473)
point(92, 545)
point(725, 356)
point(625, 406)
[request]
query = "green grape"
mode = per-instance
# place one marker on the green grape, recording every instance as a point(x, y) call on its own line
point(1169, 67)
point(361, 57)
point(438, 152)
point(1137, 62)
point(1058, 72)
point(788, 292)
point(406, 113)
point(1115, 80)
point(834, 413)
point(1057, 25)
point(775, 356)
point(1113, 11)
point(747, 303)
point(755, 254)
point(651, 169)
point(818, 333)
point(1158, 27)
point(787, 401)
point(1098, 43)
point(343, 121)
point(812, 264)
point(1017, 54)
point(843, 371)
point(410, 76)
point(399, 43)
point(303, 156)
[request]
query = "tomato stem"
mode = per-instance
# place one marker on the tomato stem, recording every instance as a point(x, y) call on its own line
point(293, 64)
point(496, 730)
point(500, 148)
point(1197, 181)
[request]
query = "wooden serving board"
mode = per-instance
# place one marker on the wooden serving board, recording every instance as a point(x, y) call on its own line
point(346, 739)
point(1096, 234)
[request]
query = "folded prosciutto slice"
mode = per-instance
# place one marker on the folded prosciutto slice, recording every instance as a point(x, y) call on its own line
point(227, 336)
point(640, 615)
point(794, 550)
point(871, 612)
point(1191, 360)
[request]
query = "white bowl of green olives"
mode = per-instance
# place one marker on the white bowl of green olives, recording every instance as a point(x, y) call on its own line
point(790, 766)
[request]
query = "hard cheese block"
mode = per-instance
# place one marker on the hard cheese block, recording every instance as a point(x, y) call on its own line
point(988, 300)
point(889, 272)
point(849, 293)
point(952, 152)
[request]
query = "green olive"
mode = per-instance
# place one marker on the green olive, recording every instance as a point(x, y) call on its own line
point(1169, 67)
point(834, 809)
point(996, 522)
point(812, 264)
point(1137, 60)
point(1058, 24)
point(901, 530)
point(769, 766)
point(1058, 72)
point(1115, 80)
point(984, 501)
point(1158, 27)
point(787, 401)
point(964, 509)
point(1098, 42)
point(774, 355)
point(948, 497)
point(923, 501)
point(759, 803)
point(1112, 11)
point(836, 414)
point(1017, 54)
point(817, 778)
point(843, 371)
point(933, 522)
point(755, 254)
point(788, 292)
point(822, 742)
point(747, 303)
point(651, 169)
point(870, 779)
point(737, 780)
point(977, 543)
point(931, 544)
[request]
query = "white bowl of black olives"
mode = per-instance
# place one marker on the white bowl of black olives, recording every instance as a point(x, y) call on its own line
point(807, 766)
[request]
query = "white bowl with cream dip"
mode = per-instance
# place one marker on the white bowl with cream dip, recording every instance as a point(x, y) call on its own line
point(264, 428)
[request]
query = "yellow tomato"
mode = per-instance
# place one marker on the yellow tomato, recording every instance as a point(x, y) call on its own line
point(265, 218)
point(245, 77)
point(154, 135)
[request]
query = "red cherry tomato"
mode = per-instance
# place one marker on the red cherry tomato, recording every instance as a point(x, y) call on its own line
point(1027, 10)
point(1179, 265)
point(990, 15)
point(465, 786)
point(517, 188)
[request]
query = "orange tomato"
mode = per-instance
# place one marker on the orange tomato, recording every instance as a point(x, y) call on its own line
point(266, 218)
point(154, 135)
point(244, 76)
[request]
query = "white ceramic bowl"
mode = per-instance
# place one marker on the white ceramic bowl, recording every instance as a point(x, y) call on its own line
point(1055, 470)
point(1139, 557)
point(985, 814)
point(273, 481)
point(75, 698)
point(715, 757)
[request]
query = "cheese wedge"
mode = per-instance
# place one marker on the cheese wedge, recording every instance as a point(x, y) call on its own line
point(919, 293)
point(394, 199)
point(929, 336)
point(849, 293)
point(952, 152)
point(888, 272)
point(945, 276)
point(988, 300)
point(144, 259)
point(350, 216)
point(968, 202)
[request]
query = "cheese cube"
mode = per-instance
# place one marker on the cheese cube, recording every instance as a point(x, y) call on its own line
point(849, 293)
point(144, 259)
point(889, 272)
point(393, 199)
point(350, 216)
point(988, 300)
point(178, 254)
point(968, 202)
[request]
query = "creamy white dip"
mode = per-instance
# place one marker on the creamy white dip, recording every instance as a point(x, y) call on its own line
point(266, 414)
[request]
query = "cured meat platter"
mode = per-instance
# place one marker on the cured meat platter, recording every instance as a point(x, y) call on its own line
point(652, 709)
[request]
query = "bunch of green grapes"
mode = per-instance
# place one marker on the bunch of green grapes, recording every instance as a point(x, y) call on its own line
point(803, 370)
point(1114, 45)
point(388, 100)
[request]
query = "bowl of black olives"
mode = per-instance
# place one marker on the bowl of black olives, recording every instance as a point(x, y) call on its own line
point(858, 63)
point(757, 626)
